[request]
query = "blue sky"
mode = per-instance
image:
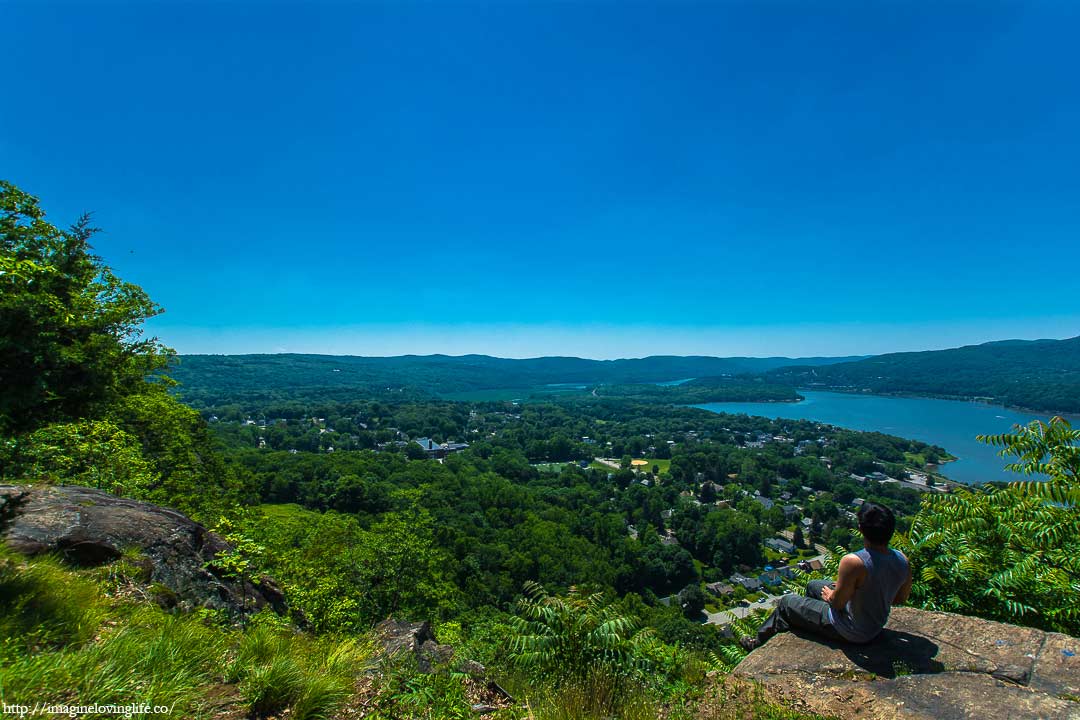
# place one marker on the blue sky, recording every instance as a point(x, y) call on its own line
point(593, 179)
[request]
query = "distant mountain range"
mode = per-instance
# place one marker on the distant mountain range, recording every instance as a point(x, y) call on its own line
point(206, 379)
point(1037, 374)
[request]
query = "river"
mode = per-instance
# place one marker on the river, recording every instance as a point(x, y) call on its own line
point(952, 424)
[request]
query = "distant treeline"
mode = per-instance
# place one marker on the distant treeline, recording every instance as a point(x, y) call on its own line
point(704, 390)
point(205, 379)
point(1037, 374)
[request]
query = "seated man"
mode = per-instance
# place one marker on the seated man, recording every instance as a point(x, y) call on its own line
point(855, 607)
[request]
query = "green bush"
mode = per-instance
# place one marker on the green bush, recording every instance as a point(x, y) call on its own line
point(1007, 553)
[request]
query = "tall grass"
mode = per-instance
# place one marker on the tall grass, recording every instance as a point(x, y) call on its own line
point(152, 658)
point(42, 605)
point(598, 696)
point(62, 640)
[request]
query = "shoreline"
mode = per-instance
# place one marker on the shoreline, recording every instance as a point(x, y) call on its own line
point(1070, 416)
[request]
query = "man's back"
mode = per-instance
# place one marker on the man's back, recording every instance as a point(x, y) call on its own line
point(868, 610)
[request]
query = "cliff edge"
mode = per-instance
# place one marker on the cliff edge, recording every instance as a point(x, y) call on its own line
point(925, 665)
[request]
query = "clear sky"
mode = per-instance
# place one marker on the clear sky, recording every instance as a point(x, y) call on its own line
point(574, 178)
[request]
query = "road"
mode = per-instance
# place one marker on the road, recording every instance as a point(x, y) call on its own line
point(724, 616)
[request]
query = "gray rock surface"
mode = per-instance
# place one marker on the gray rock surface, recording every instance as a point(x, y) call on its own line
point(89, 527)
point(400, 638)
point(926, 665)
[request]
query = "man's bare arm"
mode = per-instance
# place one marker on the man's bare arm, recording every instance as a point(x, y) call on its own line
point(848, 578)
point(904, 591)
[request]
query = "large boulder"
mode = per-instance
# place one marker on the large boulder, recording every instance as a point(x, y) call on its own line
point(925, 666)
point(90, 527)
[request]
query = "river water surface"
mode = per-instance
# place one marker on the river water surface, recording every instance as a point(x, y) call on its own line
point(952, 424)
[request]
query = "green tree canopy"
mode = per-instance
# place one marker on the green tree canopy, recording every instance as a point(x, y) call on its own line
point(70, 331)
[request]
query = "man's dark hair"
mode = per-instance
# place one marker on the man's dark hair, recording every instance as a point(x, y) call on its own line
point(876, 522)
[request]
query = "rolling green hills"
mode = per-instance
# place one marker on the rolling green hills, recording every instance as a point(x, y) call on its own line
point(1037, 374)
point(212, 377)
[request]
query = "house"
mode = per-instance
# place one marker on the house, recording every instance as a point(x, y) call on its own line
point(764, 502)
point(806, 523)
point(770, 577)
point(780, 545)
point(720, 589)
point(438, 451)
point(751, 584)
point(857, 502)
point(432, 448)
point(790, 511)
point(808, 566)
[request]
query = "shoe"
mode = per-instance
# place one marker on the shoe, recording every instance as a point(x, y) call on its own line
point(749, 643)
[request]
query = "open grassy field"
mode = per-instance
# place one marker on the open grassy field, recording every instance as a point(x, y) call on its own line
point(664, 465)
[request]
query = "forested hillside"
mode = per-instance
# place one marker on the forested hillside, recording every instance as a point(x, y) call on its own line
point(1036, 374)
point(206, 379)
point(704, 390)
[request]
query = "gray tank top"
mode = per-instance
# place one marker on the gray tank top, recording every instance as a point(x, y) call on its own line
point(868, 610)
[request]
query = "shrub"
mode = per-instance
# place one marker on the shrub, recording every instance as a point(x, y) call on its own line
point(1007, 553)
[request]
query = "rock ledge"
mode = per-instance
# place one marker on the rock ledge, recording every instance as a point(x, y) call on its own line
point(90, 527)
point(926, 666)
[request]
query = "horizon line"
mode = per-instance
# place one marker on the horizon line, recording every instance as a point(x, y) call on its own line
point(856, 356)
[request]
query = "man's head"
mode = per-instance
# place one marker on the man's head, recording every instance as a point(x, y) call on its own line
point(876, 523)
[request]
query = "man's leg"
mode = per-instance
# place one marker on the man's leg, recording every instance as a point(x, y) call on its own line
point(776, 622)
point(809, 613)
point(814, 588)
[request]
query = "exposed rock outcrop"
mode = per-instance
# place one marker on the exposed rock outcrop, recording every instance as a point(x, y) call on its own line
point(401, 639)
point(926, 665)
point(90, 527)
point(416, 638)
point(413, 638)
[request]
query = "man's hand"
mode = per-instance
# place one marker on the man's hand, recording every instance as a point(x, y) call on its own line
point(826, 594)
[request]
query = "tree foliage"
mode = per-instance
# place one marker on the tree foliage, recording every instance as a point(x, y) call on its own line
point(1008, 553)
point(70, 330)
point(565, 638)
point(93, 453)
point(83, 401)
